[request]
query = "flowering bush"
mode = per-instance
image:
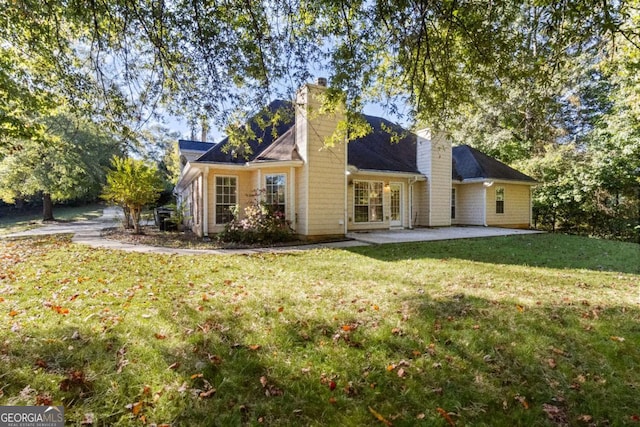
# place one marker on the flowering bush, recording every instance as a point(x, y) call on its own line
point(261, 223)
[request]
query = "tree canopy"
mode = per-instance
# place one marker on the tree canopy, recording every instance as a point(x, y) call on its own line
point(519, 79)
point(202, 58)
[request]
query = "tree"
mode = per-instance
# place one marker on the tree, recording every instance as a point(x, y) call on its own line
point(200, 58)
point(132, 184)
point(67, 162)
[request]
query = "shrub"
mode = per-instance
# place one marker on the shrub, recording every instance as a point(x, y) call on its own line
point(261, 223)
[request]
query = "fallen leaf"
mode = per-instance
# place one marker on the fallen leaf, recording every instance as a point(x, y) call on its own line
point(207, 393)
point(332, 385)
point(1, 299)
point(379, 417)
point(619, 339)
point(280, 309)
point(88, 420)
point(205, 297)
point(136, 408)
point(43, 400)
point(401, 372)
point(13, 313)
point(520, 308)
point(420, 416)
point(174, 365)
point(73, 297)
point(263, 381)
point(255, 347)
point(60, 310)
point(332, 400)
point(194, 376)
point(446, 416)
point(552, 363)
point(522, 401)
point(555, 414)
point(160, 336)
point(346, 328)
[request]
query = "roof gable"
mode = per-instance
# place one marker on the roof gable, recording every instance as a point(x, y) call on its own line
point(469, 163)
point(223, 153)
point(378, 151)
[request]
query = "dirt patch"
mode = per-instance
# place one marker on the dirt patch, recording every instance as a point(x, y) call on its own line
point(152, 236)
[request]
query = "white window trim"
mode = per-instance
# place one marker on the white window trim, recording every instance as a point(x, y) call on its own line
point(504, 200)
point(286, 196)
point(353, 202)
point(215, 195)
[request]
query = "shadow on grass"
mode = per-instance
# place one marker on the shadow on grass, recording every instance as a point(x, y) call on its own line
point(486, 363)
point(534, 250)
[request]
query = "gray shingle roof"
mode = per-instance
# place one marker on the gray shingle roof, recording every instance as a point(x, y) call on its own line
point(469, 163)
point(388, 147)
point(185, 144)
point(221, 153)
point(378, 151)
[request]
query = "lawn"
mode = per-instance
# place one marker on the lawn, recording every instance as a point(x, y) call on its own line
point(11, 222)
point(524, 330)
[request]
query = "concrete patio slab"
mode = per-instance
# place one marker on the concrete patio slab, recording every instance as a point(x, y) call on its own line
point(429, 234)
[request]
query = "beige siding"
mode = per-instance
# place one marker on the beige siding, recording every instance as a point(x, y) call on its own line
point(246, 185)
point(470, 204)
point(434, 160)
point(420, 204)
point(322, 180)
point(517, 206)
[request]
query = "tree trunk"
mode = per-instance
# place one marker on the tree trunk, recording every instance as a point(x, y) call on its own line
point(47, 207)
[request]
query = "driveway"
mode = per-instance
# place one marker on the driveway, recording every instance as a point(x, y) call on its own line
point(89, 233)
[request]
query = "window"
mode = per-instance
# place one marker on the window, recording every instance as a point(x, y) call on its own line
point(276, 190)
point(367, 201)
point(226, 198)
point(499, 200)
point(453, 203)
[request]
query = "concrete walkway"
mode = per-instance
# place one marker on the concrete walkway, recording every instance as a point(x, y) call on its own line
point(88, 232)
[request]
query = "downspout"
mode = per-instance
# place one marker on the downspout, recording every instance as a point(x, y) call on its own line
point(411, 182)
point(484, 205)
point(291, 213)
point(205, 202)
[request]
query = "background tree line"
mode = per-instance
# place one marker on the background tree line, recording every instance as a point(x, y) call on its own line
point(548, 86)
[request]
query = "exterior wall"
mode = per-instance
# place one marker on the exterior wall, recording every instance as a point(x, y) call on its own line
point(434, 161)
point(469, 204)
point(248, 182)
point(420, 204)
point(517, 206)
point(322, 180)
point(245, 183)
point(386, 202)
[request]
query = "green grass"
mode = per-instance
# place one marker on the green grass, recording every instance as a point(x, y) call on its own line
point(12, 222)
point(528, 330)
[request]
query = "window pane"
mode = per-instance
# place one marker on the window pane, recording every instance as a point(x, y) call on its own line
point(276, 192)
point(225, 198)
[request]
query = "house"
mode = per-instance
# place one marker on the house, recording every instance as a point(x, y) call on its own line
point(390, 178)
